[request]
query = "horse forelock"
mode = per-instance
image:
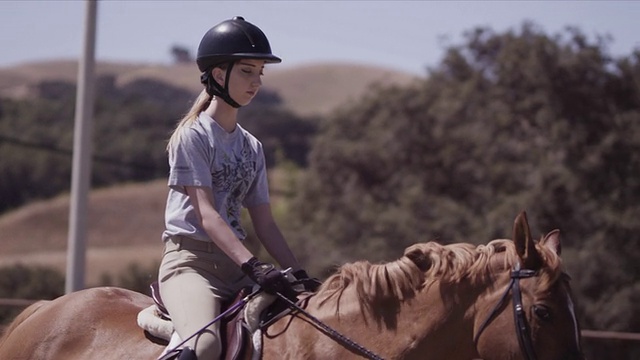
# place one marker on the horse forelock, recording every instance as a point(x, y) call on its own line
point(500, 255)
point(423, 263)
point(553, 269)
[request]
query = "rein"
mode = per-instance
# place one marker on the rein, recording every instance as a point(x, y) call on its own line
point(522, 327)
point(331, 332)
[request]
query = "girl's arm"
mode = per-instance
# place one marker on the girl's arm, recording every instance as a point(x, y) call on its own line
point(265, 275)
point(215, 226)
point(269, 234)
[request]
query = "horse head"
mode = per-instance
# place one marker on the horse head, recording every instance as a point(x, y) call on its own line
point(542, 324)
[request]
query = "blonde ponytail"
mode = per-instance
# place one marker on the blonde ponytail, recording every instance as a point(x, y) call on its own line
point(202, 101)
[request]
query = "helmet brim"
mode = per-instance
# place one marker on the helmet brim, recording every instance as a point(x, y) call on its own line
point(209, 61)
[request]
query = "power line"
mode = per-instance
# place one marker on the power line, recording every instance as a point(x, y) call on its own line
point(54, 149)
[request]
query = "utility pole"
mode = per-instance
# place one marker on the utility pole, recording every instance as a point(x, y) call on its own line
point(82, 154)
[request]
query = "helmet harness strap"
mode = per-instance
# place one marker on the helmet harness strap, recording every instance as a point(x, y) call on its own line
point(214, 89)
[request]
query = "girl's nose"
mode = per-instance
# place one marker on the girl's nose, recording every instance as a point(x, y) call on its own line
point(257, 81)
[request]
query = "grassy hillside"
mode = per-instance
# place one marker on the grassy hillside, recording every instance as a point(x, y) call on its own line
point(308, 89)
point(319, 88)
point(125, 224)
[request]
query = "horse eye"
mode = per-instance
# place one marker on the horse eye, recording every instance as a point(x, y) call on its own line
point(542, 312)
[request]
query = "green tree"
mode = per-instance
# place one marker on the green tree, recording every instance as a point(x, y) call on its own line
point(32, 283)
point(282, 133)
point(506, 122)
point(135, 277)
point(132, 125)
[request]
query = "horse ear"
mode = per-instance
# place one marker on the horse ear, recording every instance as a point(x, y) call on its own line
point(525, 246)
point(552, 241)
point(416, 254)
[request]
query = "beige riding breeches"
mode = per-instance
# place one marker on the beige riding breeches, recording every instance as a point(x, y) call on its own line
point(195, 278)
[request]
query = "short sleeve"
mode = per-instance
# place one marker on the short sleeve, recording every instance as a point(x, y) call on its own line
point(190, 160)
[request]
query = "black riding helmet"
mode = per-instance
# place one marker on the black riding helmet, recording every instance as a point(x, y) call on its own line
point(227, 42)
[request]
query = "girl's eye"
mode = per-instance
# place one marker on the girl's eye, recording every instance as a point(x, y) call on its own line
point(250, 71)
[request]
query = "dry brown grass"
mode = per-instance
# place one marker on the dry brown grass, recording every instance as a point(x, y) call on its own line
point(124, 227)
point(308, 89)
point(320, 88)
point(125, 224)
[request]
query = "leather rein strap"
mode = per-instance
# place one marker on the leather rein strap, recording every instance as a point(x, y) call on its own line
point(522, 327)
point(331, 332)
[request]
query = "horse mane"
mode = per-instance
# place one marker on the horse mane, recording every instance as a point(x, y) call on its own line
point(426, 263)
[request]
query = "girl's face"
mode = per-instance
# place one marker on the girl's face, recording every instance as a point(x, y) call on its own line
point(245, 81)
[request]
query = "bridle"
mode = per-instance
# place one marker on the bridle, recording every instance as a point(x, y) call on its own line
point(522, 327)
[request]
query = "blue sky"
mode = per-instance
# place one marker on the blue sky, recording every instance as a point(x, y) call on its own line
point(403, 35)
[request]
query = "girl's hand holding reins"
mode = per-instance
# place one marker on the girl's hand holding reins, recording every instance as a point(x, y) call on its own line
point(267, 276)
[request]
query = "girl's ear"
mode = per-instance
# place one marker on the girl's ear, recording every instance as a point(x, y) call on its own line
point(218, 75)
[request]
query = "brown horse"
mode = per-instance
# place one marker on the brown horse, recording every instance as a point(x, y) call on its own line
point(435, 302)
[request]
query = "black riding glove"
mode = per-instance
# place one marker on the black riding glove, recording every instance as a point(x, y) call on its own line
point(310, 284)
point(267, 276)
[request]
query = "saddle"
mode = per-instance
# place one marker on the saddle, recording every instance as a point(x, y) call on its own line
point(236, 335)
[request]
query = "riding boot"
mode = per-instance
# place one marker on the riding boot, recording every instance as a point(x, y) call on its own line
point(187, 354)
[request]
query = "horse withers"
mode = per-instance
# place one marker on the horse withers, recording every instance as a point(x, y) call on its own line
point(507, 299)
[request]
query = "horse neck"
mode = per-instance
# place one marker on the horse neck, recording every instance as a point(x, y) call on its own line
point(441, 318)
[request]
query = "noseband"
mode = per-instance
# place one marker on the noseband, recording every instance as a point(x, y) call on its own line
point(522, 327)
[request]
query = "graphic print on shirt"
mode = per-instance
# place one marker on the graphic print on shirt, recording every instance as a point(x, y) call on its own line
point(234, 178)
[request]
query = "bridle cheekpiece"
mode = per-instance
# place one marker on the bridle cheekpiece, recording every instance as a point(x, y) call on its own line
point(522, 327)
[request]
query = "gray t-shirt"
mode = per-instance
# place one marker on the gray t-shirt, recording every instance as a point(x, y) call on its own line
point(231, 164)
